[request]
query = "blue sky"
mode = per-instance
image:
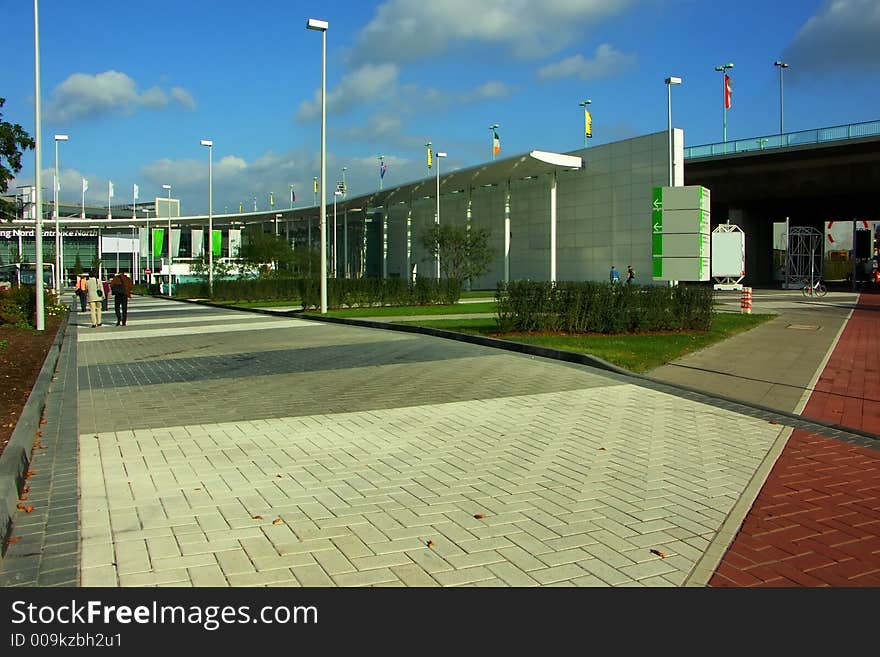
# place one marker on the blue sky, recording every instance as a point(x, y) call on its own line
point(137, 84)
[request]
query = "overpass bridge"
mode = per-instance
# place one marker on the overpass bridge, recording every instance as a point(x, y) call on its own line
point(810, 177)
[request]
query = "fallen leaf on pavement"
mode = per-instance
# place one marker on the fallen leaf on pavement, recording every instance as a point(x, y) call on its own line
point(658, 553)
point(257, 517)
point(430, 544)
point(277, 521)
point(479, 516)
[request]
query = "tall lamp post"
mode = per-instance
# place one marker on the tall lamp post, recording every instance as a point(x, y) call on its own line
point(210, 144)
point(439, 155)
point(781, 65)
point(669, 82)
point(39, 305)
point(321, 26)
point(725, 104)
point(344, 226)
point(587, 129)
point(58, 244)
point(168, 187)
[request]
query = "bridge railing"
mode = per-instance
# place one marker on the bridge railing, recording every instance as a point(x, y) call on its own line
point(804, 137)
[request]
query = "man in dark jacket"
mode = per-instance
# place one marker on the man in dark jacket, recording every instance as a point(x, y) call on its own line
point(120, 286)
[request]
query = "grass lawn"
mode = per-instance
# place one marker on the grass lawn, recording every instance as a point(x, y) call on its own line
point(636, 353)
point(390, 311)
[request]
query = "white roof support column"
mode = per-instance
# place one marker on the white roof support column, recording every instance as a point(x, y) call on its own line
point(557, 160)
point(553, 186)
point(507, 232)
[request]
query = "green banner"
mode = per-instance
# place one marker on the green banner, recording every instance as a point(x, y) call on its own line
point(657, 244)
point(658, 267)
point(657, 210)
point(217, 242)
point(158, 241)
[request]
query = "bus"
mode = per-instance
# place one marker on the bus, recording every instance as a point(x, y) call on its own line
point(24, 273)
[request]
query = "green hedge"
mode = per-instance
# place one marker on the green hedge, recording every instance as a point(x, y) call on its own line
point(366, 292)
point(354, 292)
point(589, 307)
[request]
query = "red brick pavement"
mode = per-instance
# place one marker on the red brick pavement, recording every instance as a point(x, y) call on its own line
point(816, 521)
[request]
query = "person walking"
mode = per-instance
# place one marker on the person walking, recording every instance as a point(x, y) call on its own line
point(121, 286)
point(614, 276)
point(630, 275)
point(81, 290)
point(95, 295)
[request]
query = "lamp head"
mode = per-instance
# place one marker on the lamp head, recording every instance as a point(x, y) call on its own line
point(673, 80)
point(780, 64)
point(61, 137)
point(586, 102)
point(440, 154)
point(318, 25)
point(493, 126)
point(166, 186)
point(206, 142)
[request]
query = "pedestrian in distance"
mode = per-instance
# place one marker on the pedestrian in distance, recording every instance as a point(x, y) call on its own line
point(120, 286)
point(95, 296)
point(105, 300)
point(630, 275)
point(81, 290)
point(614, 276)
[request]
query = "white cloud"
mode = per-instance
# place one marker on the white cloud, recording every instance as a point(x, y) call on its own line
point(183, 97)
point(413, 29)
point(606, 62)
point(362, 85)
point(487, 91)
point(82, 95)
point(842, 33)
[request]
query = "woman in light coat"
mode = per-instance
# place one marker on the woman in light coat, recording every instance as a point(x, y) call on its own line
point(93, 284)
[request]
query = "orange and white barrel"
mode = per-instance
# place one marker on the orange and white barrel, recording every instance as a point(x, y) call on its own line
point(745, 304)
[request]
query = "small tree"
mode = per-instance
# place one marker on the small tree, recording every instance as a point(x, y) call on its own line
point(13, 141)
point(259, 249)
point(78, 265)
point(465, 253)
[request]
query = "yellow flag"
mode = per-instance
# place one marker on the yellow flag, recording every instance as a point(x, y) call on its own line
point(315, 186)
point(588, 123)
point(430, 160)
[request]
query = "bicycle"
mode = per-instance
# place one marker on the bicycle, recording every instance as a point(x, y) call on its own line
point(815, 289)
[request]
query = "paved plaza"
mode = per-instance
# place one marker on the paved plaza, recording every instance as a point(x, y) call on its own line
point(201, 446)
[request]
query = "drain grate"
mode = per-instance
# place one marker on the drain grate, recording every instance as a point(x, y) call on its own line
point(803, 327)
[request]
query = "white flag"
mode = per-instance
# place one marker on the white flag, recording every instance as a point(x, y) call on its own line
point(110, 194)
point(135, 192)
point(85, 185)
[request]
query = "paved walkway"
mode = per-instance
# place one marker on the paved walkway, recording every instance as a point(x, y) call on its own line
point(217, 448)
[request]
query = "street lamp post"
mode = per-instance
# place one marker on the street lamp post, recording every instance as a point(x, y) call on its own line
point(781, 65)
point(58, 241)
point(584, 105)
point(168, 187)
point(321, 26)
point(669, 82)
point(439, 155)
point(723, 70)
point(210, 144)
point(39, 302)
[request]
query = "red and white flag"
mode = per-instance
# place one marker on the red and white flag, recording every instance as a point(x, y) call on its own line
point(727, 91)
